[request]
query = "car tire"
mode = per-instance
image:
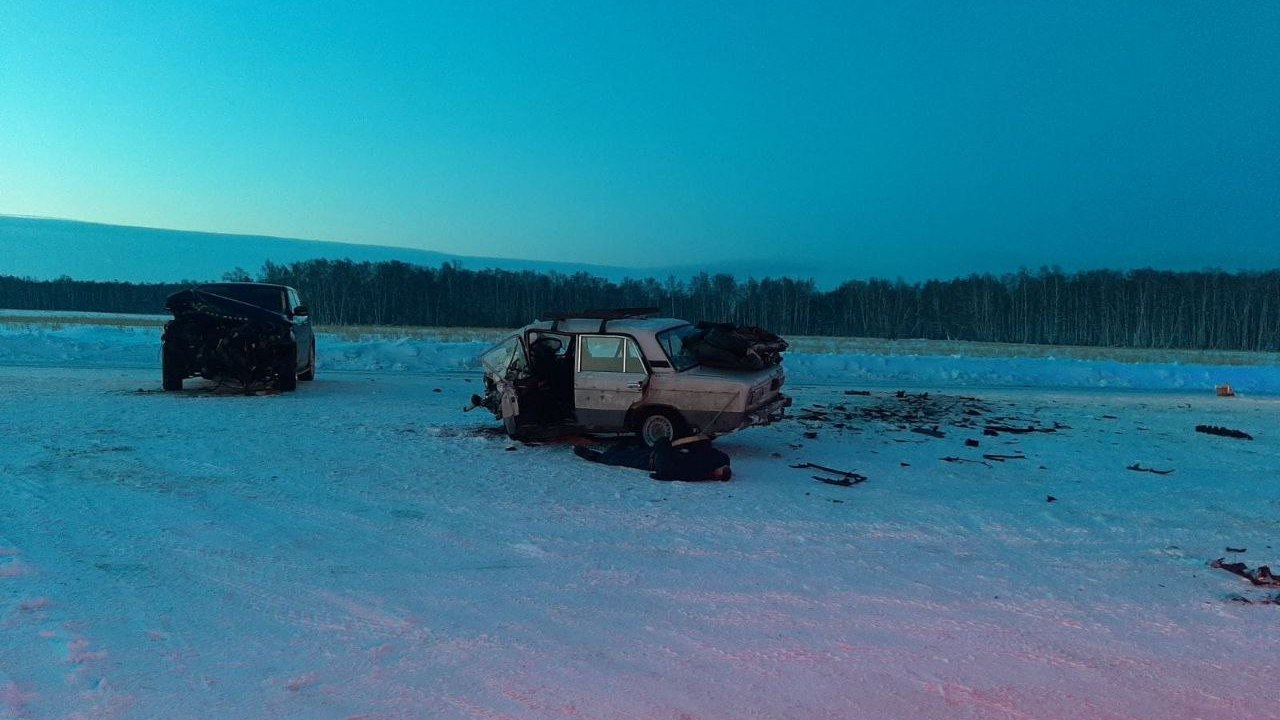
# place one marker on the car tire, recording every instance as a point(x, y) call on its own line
point(658, 424)
point(310, 373)
point(513, 429)
point(287, 371)
point(170, 371)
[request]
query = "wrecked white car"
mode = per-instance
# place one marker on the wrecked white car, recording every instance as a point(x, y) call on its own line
point(624, 371)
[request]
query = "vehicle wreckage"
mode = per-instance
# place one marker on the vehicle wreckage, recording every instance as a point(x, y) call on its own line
point(248, 333)
point(627, 371)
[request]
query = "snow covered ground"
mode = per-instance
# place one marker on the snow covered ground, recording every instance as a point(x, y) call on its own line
point(362, 549)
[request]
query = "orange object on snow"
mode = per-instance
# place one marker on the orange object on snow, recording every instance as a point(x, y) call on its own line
point(1225, 390)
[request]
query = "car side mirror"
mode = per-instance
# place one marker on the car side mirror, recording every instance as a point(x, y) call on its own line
point(301, 311)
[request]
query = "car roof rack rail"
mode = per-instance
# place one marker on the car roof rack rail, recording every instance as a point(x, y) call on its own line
point(603, 315)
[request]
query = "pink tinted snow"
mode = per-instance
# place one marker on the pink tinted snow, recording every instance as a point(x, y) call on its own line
point(78, 652)
point(15, 700)
point(14, 568)
point(40, 603)
point(381, 652)
point(299, 682)
point(105, 702)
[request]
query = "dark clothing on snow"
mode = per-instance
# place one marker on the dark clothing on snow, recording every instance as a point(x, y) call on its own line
point(632, 456)
point(698, 461)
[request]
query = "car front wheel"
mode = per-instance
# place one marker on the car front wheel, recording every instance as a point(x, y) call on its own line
point(170, 371)
point(513, 429)
point(287, 371)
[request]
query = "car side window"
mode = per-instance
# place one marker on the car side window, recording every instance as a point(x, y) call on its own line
point(635, 363)
point(609, 353)
point(551, 344)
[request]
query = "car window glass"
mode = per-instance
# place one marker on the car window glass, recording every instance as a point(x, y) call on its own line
point(634, 363)
point(601, 354)
point(673, 343)
point(505, 356)
point(550, 343)
point(610, 353)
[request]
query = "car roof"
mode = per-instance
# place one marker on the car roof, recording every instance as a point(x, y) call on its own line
point(631, 326)
point(243, 284)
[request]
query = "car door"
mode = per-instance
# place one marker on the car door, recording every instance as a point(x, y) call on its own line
point(610, 377)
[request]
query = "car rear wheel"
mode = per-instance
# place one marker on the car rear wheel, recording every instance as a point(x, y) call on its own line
point(660, 424)
point(170, 371)
point(310, 372)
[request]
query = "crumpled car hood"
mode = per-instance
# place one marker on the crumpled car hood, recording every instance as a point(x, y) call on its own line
point(200, 302)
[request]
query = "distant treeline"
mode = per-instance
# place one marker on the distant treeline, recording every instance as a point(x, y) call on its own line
point(1140, 308)
point(84, 295)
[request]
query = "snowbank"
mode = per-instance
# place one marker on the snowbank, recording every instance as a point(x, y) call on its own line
point(100, 345)
point(958, 371)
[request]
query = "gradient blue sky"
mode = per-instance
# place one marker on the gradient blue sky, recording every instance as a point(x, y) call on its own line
point(903, 138)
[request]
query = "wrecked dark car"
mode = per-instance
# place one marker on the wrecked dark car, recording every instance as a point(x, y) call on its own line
point(626, 371)
point(247, 333)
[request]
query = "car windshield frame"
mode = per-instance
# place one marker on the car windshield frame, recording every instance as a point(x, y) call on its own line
point(680, 358)
point(506, 359)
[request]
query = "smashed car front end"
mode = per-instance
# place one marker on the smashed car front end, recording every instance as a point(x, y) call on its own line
point(504, 364)
point(219, 338)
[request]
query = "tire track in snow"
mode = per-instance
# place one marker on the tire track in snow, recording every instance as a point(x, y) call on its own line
point(82, 685)
point(81, 484)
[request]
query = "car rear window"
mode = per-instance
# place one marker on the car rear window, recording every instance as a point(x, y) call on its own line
point(673, 344)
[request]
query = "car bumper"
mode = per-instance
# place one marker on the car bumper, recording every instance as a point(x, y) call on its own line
point(770, 412)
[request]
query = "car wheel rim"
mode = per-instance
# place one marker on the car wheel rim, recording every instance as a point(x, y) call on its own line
point(657, 427)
